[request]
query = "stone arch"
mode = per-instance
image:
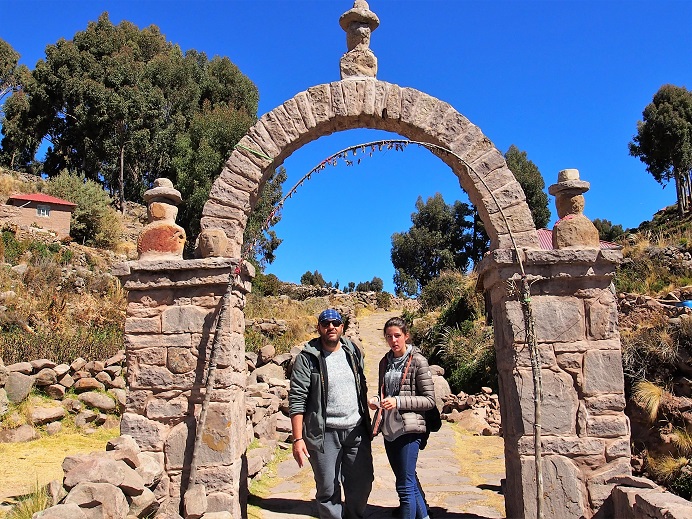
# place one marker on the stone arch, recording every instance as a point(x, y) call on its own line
point(368, 103)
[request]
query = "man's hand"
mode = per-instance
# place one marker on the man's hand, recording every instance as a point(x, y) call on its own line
point(300, 452)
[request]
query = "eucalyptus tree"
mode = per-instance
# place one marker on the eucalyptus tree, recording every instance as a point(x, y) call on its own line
point(664, 141)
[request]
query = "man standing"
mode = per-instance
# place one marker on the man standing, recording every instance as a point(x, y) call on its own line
point(330, 419)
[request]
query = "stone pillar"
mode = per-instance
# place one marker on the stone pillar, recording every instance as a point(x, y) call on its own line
point(585, 433)
point(172, 307)
point(172, 318)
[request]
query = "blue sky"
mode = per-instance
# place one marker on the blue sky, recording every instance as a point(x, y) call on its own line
point(565, 81)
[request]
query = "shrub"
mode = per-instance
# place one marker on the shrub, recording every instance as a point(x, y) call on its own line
point(266, 284)
point(94, 221)
point(384, 300)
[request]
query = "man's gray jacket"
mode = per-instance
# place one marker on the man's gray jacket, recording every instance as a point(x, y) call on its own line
point(308, 393)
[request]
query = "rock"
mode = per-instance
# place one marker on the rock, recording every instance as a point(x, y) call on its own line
point(88, 384)
point(68, 511)
point(143, 505)
point(40, 364)
point(45, 377)
point(150, 467)
point(4, 402)
point(195, 502)
point(23, 433)
point(85, 417)
point(472, 420)
point(78, 364)
point(99, 500)
point(264, 373)
point(282, 359)
point(53, 428)
point(61, 369)
point(55, 391)
point(72, 405)
point(18, 386)
point(44, 415)
point(103, 403)
point(266, 354)
point(25, 368)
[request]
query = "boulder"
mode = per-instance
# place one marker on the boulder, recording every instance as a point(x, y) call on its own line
point(100, 401)
point(18, 386)
point(23, 433)
point(99, 500)
point(68, 511)
point(44, 415)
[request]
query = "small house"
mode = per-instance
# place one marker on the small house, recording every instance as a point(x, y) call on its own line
point(44, 211)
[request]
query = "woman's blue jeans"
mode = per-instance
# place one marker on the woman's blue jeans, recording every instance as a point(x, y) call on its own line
point(403, 456)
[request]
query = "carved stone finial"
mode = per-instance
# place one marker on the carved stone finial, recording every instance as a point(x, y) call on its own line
point(161, 237)
point(358, 22)
point(573, 229)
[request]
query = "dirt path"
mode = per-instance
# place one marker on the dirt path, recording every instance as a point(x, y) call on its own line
point(460, 473)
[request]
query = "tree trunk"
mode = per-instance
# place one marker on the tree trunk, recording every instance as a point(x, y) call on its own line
point(122, 179)
point(679, 192)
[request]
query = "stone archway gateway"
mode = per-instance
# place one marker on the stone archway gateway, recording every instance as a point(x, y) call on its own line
point(172, 304)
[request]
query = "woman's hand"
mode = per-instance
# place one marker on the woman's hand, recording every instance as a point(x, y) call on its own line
point(374, 403)
point(388, 403)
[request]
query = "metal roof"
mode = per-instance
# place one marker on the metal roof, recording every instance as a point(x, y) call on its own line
point(545, 239)
point(41, 198)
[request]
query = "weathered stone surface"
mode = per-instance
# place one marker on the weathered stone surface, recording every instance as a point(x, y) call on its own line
point(100, 401)
point(55, 391)
point(195, 502)
point(44, 415)
point(598, 482)
point(144, 504)
point(148, 325)
point(181, 360)
point(604, 403)
point(264, 373)
point(182, 319)
point(68, 511)
point(163, 409)
point(557, 319)
point(25, 368)
point(150, 467)
point(607, 426)
point(603, 372)
point(565, 495)
point(619, 448)
point(23, 433)
point(99, 500)
point(18, 386)
point(88, 384)
point(559, 409)
point(85, 418)
point(563, 445)
point(4, 402)
point(45, 377)
point(266, 354)
point(218, 445)
point(147, 433)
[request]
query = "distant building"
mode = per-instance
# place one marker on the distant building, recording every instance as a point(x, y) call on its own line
point(44, 211)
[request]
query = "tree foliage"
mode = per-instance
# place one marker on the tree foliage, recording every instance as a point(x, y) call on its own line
point(257, 230)
point(124, 107)
point(438, 240)
point(375, 285)
point(664, 140)
point(312, 278)
point(531, 180)
point(607, 231)
point(11, 73)
point(94, 221)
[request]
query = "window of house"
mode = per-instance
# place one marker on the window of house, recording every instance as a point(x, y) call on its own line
point(43, 210)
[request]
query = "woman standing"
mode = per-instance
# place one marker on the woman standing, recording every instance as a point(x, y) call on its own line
point(406, 392)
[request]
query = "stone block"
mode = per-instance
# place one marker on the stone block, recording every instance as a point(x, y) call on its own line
point(149, 356)
point(619, 448)
point(25, 368)
point(45, 377)
point(603, 372)
point(557, 319)
point(181, 360)
point(68, 511)
point(598, 481)
point(195, 502)
point(23, 433)
point(559, 409)
point(148, 325)
point(44, 415)
point(569, 446)
point(177, 340)
point(151, 467)
point(148, 434)
point(604, 403)
point(607, 426)
point(143, 505)
point(182, 319)
point(563, 490)
point(602, 316)
point(218, 446)
point(231, 352)
point(353, 95)
point(272, 123)
point(163, 410)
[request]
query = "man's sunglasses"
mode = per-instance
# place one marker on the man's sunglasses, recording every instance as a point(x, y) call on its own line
point(335, 323)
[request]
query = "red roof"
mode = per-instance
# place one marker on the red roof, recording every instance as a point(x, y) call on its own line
point(42, 199)
point(545, 239)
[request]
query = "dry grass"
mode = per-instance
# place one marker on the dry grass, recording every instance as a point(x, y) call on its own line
point(482, 455)
point(666, 468)
point(648, 396)
point(24, 465)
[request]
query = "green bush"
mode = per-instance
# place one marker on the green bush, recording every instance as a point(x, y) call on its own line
point(94, 221)
point(266, 284)
point(12, 247)
point(384, 300)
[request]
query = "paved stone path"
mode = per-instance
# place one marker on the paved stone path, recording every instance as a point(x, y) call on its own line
point(459, 473)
